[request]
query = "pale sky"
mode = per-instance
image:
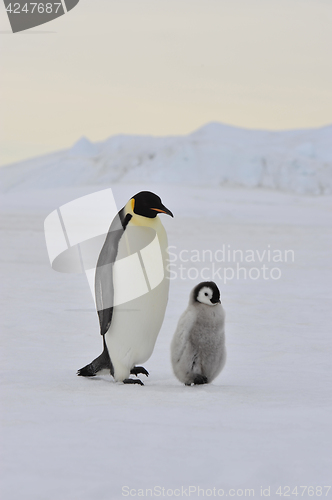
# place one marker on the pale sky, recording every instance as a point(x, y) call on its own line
point(164, 67)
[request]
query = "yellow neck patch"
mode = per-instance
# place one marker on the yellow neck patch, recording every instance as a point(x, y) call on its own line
point(132, 204)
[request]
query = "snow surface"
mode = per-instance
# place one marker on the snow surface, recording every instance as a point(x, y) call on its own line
point(265, 421)
point(215, 155)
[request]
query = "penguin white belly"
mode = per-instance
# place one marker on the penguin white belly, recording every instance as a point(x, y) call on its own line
point(136, 323)
point(135, 326)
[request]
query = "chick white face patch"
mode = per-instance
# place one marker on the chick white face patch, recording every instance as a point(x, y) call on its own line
point(205, 295)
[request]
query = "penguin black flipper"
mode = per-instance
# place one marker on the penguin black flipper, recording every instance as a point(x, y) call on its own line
point(105, 292)
point(104, 289)
point(101, 363)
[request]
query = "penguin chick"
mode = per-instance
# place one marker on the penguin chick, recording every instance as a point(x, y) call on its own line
point(198, 351)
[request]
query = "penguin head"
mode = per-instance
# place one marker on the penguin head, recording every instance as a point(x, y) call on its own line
point(148, 204)
point(207, 292)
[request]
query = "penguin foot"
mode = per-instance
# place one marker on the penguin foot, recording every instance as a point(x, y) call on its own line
point(132, 381)
point(200, 379)
point(139, 369)
point(103, 362)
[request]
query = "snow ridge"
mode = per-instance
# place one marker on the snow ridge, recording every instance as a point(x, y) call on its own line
point(297, 161)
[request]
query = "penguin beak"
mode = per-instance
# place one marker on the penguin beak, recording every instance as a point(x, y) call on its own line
point(163, 210)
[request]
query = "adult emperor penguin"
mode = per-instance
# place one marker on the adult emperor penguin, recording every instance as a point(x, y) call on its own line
point(198, 351)
point(131, 288)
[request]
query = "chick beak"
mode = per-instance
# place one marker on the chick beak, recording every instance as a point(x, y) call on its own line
point(215, 302)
